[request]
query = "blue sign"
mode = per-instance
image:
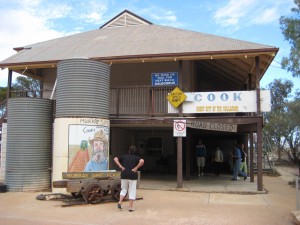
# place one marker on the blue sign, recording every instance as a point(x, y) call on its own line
point(164, 79)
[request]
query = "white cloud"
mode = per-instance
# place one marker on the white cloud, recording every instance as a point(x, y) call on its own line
point(31, 21)
point(233, 12)
point(92, 11)
point(251, 12)
point(266, 16)
point(167, 16)
point(161, 15)
point(20, 27)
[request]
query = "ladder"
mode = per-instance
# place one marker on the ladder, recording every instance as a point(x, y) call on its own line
point(267, 161)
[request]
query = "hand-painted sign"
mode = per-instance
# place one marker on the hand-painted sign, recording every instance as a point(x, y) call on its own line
point(224, 102)
point(212, 126)
point(176, 97)
point(88, 145)
point(164, 79)
point(85, 175)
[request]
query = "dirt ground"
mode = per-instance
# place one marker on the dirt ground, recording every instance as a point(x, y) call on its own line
point(163, 207)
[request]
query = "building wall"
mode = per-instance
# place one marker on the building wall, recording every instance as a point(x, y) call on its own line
point(140, 73)
point(49, 77)
point(119, 143)
point(153, 159)
point(136, 74)
point(122, 138)
point(3, 152)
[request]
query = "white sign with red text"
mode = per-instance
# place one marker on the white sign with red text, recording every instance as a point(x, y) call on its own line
point(179, 128)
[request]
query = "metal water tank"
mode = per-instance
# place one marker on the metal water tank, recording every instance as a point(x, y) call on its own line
point(29, 144)
point(82, 88)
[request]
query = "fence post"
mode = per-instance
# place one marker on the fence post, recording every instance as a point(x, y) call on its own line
point(297, 192)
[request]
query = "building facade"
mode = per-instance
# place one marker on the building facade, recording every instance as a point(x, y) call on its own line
point(123, 79)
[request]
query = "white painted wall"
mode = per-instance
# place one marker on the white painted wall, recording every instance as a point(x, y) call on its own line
point(3, 153)
point(61, 144)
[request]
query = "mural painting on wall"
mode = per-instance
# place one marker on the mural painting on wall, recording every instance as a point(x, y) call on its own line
point(88, 148)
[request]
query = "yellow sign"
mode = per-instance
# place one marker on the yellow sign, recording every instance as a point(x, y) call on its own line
point(176, 97)
point(82, 175)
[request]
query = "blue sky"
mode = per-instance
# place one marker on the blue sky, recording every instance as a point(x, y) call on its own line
point(24, 22)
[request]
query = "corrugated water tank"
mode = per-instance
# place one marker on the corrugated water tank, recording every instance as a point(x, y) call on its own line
point(29, 144)
point(82, 88)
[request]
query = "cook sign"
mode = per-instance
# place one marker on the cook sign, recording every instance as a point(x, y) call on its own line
point(224, 102)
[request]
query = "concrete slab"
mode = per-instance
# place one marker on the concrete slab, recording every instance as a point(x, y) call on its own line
point(208, 184)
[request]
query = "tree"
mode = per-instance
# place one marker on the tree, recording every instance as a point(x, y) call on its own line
point(290, 27)
point(2, 101)
point(277, 122)
point(292, 134)
point(280, 93)
point(2, 94)
point(282, 124)
point(28, 85)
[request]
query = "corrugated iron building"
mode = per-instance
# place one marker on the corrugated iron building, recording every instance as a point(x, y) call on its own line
point(142, 57)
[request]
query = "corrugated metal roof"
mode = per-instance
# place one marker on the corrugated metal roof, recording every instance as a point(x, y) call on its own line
point(131, 42)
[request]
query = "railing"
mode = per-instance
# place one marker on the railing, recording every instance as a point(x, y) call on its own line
point(125, 101)
point(26, 94)
point(137, 101)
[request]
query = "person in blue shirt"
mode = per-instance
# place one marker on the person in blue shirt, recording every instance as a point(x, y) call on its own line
point(237, 157)
point(99, 159)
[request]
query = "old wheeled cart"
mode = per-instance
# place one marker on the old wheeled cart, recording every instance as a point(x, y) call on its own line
point(92, 186)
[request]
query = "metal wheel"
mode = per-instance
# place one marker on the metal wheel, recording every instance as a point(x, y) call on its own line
point(76, 194)
point(115, 190)
point(93, 194)
point(105, 192)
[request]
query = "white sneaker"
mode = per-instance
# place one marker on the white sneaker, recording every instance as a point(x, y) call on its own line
point(238, 178)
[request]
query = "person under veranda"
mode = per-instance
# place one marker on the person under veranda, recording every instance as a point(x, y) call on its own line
point(201, 154)
point(129, 164)
point(237, 157)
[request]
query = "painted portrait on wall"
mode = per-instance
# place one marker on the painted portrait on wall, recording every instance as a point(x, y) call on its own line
point(88, 148)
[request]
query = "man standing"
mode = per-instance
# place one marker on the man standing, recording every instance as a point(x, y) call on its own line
point(129, 164)
point(201, 153)
point(243, 166)
point(218, 160)
point(237, 162)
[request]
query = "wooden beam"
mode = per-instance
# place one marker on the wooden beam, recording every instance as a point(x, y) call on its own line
point(259, 128)
point(259, 157)
point(257, 72)
point(188, 157)
point(251, 158)
point(9, 80)
point(168, 122)
point(179, 139)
